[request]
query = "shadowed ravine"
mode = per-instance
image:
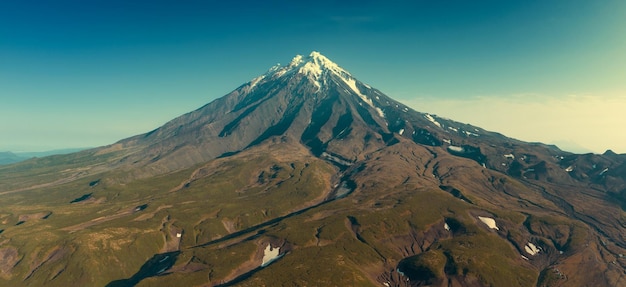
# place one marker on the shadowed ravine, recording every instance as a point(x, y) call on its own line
point(155, 266)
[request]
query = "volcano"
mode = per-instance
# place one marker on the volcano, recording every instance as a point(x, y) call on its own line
point(305, 176)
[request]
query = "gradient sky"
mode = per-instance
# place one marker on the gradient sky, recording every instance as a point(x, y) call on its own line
point(88, 73)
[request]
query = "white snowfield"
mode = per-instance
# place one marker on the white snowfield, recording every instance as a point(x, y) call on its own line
point(432, 120)
point(604, 171)
point(490, 222)
point(352, 84)
point(253, 83)
point(270, 255)
point(456, 148)
point(532, 249)
point(314, 66)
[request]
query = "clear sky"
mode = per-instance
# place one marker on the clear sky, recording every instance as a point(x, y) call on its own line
point(88, 73)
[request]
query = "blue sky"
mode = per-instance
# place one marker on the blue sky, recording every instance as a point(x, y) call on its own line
point(88, 73)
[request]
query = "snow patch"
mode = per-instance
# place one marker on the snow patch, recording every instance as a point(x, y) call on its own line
point(511, 156)
point(446, 226)
point(447, 141)
point(352, 84)
point(343, 190)
point(253, 83)
point(569, 168)
point(490, 222)
point(297, 60)
point(280, 73)
point(456, 148)
point(331, 157)
point(311, 69)
point(532, 249)
point(313, 72)
point(470, 133)
point(454, 129)
point(321, 60)
point(401, 131)
point(604, 171)
point(270, 254)
point(432, 120)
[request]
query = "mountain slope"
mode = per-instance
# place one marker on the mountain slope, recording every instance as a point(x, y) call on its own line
point(296, 101)
point(307, 176)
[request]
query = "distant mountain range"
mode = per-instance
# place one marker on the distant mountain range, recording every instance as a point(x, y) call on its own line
point(306, 176)
point(13, 157)
point(9, 157)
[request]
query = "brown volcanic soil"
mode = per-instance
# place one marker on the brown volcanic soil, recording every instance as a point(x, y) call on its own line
point(361, 198)
point(8, 258)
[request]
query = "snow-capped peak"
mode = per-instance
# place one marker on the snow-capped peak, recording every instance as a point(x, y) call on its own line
point(297, 60)
point(313, 66)
point(321, 61)
point(316, 67)
point(318, 55)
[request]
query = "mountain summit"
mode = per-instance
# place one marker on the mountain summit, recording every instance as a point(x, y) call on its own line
point(311, 99)
point(307, 176)
point(313, 66)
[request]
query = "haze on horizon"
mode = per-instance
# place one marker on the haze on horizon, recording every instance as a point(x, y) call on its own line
point(86, 74)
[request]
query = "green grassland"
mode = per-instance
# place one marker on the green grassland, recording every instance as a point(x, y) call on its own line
point(103, 238)
point(228, 211)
